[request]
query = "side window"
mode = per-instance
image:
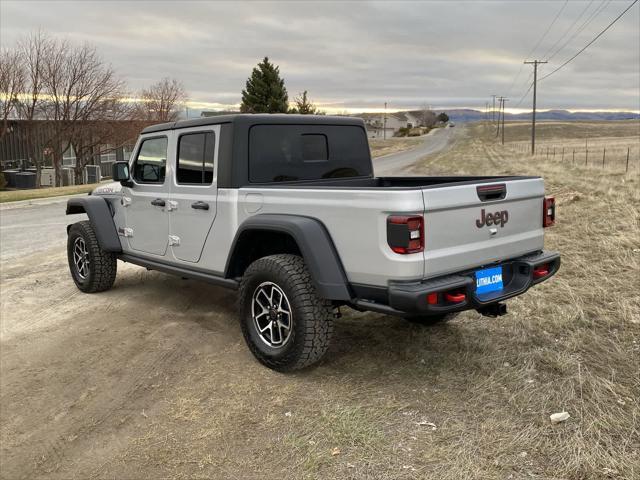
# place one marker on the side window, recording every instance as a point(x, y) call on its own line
point(151, 161)
point(195, 158)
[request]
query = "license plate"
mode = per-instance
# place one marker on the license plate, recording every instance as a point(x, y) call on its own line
point(489, 280)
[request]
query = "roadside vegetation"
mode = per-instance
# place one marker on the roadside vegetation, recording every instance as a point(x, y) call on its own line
point(380, 147)
point(18, 195)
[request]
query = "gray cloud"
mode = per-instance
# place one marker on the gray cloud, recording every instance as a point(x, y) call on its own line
point(352, 54)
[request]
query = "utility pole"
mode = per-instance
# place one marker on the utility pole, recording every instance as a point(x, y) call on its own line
point(493, 110)
point(535, 64)
point(504, 100)
point(499, 110)
point(384, 122)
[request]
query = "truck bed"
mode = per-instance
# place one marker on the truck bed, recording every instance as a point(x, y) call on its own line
point(394, 182)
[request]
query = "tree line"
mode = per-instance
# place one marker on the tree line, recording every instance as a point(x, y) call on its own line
point(65, 95)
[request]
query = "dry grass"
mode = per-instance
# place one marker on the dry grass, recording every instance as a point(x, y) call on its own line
point(17, 195)
point(176, 394)
point(488, 386)
point(581, 143)
point(381, 147)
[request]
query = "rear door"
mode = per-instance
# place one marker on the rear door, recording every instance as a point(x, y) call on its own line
point(470, 225)
point(192, 201)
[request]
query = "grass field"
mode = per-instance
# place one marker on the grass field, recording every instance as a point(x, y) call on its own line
point(573, 344)
point(380, 147)
point(581, 143)
point(17, 195)
point(466, 400)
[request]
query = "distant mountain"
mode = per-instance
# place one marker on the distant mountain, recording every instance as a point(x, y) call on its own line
point(469, 115)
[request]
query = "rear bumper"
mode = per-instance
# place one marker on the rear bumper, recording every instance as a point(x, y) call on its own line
point(408, 299)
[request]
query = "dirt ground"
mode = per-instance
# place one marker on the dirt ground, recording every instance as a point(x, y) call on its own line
point(152, 379)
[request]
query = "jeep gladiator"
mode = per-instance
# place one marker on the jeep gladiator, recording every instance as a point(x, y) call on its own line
point(287, 209)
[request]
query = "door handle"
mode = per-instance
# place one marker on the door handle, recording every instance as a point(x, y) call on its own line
point(158, 202)
point(200, 205)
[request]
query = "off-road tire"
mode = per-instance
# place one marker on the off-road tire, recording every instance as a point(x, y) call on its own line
point(102, 265)
point(312, 316)
point(430, 320)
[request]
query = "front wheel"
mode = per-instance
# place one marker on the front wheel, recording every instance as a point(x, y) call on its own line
point(286, 325)
point(92, 268)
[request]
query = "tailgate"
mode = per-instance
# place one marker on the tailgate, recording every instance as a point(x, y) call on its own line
point(475, 224)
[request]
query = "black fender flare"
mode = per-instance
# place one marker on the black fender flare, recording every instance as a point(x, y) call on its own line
point(316, 247)
point(101, 219)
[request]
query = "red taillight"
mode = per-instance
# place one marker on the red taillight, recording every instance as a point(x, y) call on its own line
point(540, 271)
point(405, 234)
point(432, 298)
point(548, 211)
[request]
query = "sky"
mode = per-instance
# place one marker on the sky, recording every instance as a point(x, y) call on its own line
point(354, 56)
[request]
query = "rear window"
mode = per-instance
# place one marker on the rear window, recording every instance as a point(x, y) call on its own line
point(286, 153)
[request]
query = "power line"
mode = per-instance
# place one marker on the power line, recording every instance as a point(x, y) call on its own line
point(525, 93)
point(566, 32)
point(592, 41)
point(599, 9)
point(593, 14)
point(546, 32)
point(548, 28)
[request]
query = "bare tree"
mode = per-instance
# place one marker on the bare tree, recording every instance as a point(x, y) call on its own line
point(11, 85)
point(163, 101)
point(32, 51)
point(79, 88)
point(428, 116)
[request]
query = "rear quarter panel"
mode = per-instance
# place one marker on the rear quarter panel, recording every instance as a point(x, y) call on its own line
point(355, 220)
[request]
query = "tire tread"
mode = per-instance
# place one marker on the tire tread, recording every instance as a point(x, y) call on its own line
point(315, 313)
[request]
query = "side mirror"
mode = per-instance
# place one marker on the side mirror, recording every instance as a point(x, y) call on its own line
point(121, 174)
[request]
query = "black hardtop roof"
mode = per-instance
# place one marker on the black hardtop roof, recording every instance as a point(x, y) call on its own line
point(249, 119)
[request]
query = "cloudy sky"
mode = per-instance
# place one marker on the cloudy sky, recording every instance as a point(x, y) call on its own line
point(357, 55)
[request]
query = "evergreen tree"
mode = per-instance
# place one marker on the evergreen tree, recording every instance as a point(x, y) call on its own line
point(304, 106)
point(265, 91)
point(443, 117)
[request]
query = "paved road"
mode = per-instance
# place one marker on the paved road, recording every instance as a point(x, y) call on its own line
point(397, 163)
point(34, 226)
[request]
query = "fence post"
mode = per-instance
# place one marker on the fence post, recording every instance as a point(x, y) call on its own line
point(604, 152)
point(547, 152)
point(627, 169)
point(562, 159)
point(573, 160)
point(554, 153)
point(586, 151)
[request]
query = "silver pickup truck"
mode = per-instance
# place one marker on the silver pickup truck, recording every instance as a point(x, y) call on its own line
point(287, 210)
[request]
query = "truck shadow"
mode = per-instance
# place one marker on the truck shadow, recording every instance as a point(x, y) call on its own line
point(362, 342)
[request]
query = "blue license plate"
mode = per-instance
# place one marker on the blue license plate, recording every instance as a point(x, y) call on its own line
point(489, 280)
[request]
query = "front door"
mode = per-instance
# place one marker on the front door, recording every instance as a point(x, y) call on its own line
point(146, 201)
point(193, 191)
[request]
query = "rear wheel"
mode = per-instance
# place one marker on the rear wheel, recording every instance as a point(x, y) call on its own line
point(92, 269)
point(429, 320)
point(286, 325)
